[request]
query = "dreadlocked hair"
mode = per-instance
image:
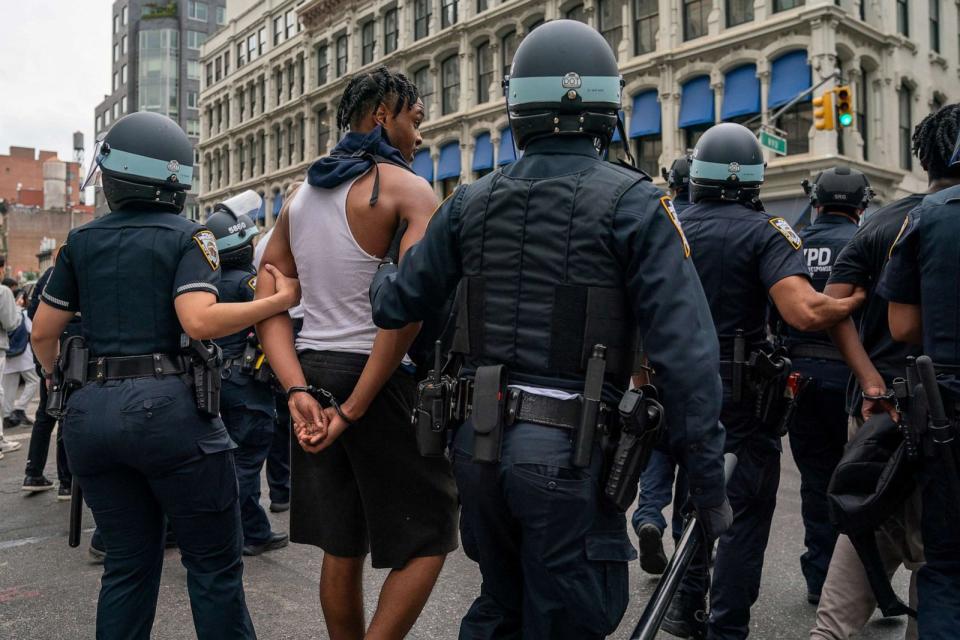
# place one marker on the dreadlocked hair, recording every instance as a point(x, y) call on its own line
point(366, 91)
point(934, 140)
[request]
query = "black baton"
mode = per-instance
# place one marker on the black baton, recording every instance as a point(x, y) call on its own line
point(76, 513)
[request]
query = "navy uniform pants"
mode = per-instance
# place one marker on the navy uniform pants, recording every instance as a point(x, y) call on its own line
point(752, 492)
point(278, 460)
point(247, 409)
point(553, 558)
point(140, 450)
point(938, 582)
point(817, 437)
point(657, 489)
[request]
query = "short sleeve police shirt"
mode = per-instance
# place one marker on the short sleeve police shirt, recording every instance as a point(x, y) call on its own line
point(61, 289)
point(199, 266)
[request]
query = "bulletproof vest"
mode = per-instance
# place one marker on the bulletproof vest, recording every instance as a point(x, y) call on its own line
point(125, 265)
point(939, 254)
point(234, 287)
point(822, 243)
point(541, 282)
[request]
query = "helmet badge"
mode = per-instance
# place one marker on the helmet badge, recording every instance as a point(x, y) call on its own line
point(733, 167)
point(571, 81)
point(173, 166)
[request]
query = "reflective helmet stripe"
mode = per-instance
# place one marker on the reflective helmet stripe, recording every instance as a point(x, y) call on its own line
point(124, 162)
point(721, 171)
point(592, 89)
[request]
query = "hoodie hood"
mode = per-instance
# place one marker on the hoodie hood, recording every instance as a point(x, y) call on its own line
point(352, 157)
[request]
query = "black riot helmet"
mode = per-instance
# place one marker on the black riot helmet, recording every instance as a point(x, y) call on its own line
point(232, 225)
point(727, 164)
point(564, 81)
point(839, 189)
point(678, 175)
point(145, 161)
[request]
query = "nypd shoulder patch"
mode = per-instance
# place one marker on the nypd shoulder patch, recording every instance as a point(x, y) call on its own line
point(786, 231)
point(208, 245)
point(667, 204)
point(252, 283)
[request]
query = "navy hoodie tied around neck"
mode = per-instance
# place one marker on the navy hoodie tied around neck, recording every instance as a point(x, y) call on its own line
point(352, 157)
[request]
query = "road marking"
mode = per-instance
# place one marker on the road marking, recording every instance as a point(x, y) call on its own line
point(11, 544)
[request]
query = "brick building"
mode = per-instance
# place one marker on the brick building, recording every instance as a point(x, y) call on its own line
point(22, 177)
point(31, 232)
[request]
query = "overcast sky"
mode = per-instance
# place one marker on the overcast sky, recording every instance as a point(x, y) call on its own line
point(54, 69)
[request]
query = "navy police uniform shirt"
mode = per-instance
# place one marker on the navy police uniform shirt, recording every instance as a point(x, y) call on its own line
point(740, 253)
point(123, 272)
point(923, 270)
point(237, 284)
point(662, 286)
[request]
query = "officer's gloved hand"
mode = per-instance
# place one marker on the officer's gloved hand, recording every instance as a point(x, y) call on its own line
point(393, 253)
point(715, 520)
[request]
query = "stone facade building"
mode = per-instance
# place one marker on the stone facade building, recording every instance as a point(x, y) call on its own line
point(686, 64)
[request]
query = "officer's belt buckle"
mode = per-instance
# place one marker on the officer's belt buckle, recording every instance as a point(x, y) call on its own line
point(101, 365)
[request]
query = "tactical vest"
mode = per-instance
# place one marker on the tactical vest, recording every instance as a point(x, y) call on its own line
point(541, 280)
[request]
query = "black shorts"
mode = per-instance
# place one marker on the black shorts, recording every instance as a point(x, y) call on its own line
point(371, 490)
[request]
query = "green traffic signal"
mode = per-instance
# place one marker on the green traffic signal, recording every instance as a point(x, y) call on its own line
point(846, 119)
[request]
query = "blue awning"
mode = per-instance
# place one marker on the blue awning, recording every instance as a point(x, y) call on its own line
point(741, 92)
point(507, 153)
point(449, 163)
point(262, 211)
point(696, 103)
point(645, 119)
point(277, 203)
point(482, 153)
point(423, 165)
point(789, 77)
point(616, 132)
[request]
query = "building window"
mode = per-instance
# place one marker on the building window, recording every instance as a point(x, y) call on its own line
point(116, 80)
point(195, 39)
point(217, 69)
point(197, 10)
point(903, 17)
point(123, 74)
point(421, 18)
point(277, 30)
point(576, 13)
point(99, 123)
point(278, 81)
point(261, 40)
point(611, 22)
point(508, 47)
point(291, 80)
point(192, 99)
point(691, 135)
point(241, 54)
point(193, 69)
point(291, 24)
point(263, 94)
point(323, 66)
point(367, 44)
point(448, 11)
point(301, 129)
point(252, 47)
point(323, 131)
point(116, 51)
point(301, 75)
point(278, 132)
point(341, 55)
point(935, 25)
point(253, 99)
point(796, 121)
point(116, 110)
point(291, 144)
point(648, 150)
point(482, 6)
point(783, 5)
point(262, 146)
point(209, 72)
point(158, 72)
point(193, 127)
point(116, 24)
point(739, 12)
point(123, 16)
point(242, 102)
point(645, 23)
point(421, 78)
point(861, 107)
point(390, 31)
point(221, 15)
point(484, 72)
point(123, 104)
point(906, 126)
point(226, 63)
point(123, 45)
point(450, 72)
point(695, 14)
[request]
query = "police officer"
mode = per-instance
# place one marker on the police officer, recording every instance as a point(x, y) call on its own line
point(138, 444)
point(743, 256)
point(246, 403)
point(555, 254)
point(922, 284)
point(657, 480)
point(818, 428)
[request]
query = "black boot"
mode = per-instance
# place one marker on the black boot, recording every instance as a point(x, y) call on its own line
point(686, 617)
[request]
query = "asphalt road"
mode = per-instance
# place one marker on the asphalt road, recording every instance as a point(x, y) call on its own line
point(49, 591)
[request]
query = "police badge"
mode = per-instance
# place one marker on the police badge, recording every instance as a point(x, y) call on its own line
point(208, 245)
point(786, 231)
point(672, 214)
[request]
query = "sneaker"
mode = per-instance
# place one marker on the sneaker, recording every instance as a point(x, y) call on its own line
point(36, 483)
point(22, 417)
point(653, 560)
point(686, 617)
point(64, 492)
point(8, 445)
point(96, 555)
point(9, 422)
point(813, 598)
point(279, 507)
point(276, 541)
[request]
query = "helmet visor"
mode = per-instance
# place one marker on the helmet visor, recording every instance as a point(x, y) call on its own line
point(93, 173)
point(246, 203)
point(955, 158)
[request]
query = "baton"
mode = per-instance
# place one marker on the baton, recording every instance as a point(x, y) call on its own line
point(690, 542)
point(76, 513)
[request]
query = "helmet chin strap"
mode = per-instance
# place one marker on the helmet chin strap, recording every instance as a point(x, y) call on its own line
point(623, 141)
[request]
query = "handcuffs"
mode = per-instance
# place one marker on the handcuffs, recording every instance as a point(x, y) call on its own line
point(320, 394)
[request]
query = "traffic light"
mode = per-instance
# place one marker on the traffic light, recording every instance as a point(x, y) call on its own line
point(844, 105)
point(823, 112)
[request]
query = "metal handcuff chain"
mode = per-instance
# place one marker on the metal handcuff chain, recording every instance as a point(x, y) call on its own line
point(321, 395)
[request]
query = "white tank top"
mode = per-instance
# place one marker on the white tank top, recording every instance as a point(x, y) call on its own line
point(335, 272)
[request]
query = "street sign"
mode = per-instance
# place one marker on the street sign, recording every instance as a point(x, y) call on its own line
point(773, 142)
